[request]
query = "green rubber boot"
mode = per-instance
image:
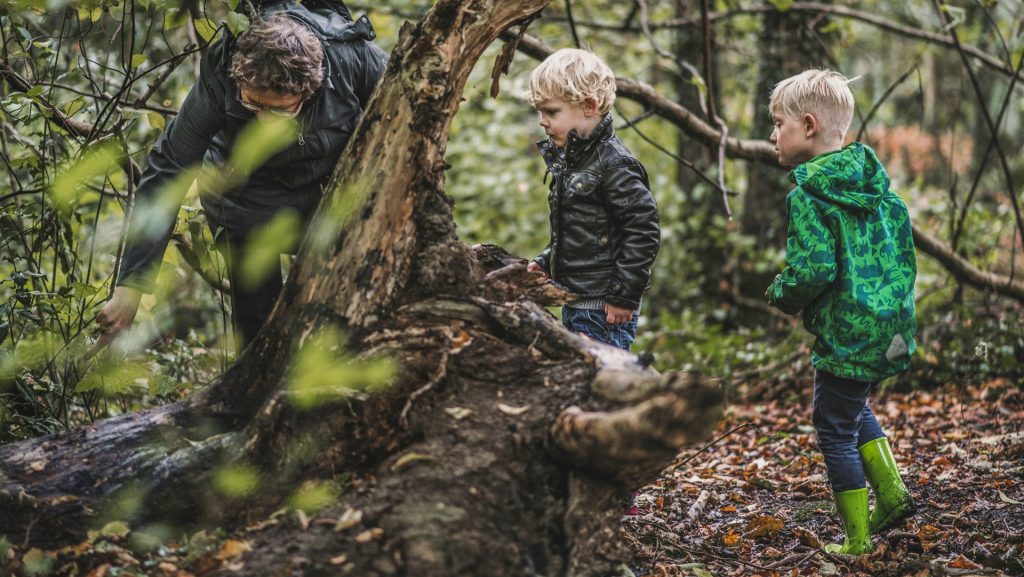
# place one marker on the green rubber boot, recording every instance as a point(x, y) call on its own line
point(893, 502)
point(853, 510)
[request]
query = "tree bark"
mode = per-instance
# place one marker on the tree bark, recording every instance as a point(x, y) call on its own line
point(453, 468)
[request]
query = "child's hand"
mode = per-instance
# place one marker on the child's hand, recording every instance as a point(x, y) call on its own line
point(617, 315)
point(534, 266)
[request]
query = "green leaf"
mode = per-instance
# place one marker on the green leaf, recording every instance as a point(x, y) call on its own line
point(138, 60)
point(324, 372)
point(96, 163)
point(72, 107)
point(237, 23)
point(35, 350)
point(162, 385)
point(206, 29)
point(96, 13)
point(34, 91)
point(260, 140)
point(313, 498)
point(83, 290)
point(236, 480)
point(115, 378)
point(174, 17)
point(114, 529)
point(281, 235)
point(156, 120)
point(35, 562)
point(781, 5)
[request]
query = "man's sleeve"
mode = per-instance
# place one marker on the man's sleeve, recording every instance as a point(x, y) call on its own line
point(810, 257)
point(634, 215)
point(159, 194)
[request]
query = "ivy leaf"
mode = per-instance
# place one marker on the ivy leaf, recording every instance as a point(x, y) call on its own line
point(206, 29)
point(237, 23)
point(156, 120)
point(71, 108)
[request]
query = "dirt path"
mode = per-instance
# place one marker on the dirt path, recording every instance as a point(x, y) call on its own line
point(757, 502)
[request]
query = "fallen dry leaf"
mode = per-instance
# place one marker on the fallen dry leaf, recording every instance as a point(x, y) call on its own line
point(962, 562)
point(233, 548)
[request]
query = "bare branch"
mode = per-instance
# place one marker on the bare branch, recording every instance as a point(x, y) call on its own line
point(875, 20)
point(964, 271)
point(993, 126)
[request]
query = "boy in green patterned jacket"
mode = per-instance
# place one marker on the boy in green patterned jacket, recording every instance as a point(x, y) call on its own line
point(850, 268)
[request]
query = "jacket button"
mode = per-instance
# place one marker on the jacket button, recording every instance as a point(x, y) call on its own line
point(579, 185)
point(603, 241)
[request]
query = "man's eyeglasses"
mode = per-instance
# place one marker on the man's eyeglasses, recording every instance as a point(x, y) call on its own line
point(283, 111)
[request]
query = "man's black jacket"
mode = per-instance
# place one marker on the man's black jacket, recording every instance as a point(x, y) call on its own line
point(604, 220)
point(210, 119)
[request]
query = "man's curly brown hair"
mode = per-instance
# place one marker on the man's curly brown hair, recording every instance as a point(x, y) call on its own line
point(280, 55)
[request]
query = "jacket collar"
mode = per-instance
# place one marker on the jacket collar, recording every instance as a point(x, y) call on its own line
point(577, 148)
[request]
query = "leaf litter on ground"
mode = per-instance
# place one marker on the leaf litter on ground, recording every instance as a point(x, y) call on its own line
point(757, 502)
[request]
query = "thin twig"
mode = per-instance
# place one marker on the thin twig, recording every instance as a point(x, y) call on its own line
point(679, 464)
point(679, 159)
point(885, 96)
point(442, 371)
point(712, 109)
point(572, 24)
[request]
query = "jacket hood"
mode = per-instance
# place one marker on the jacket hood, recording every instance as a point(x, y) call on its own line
point(851, 177)
point(331, 23)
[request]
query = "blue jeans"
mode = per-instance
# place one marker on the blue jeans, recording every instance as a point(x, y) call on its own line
point(592, 323)
point(843, 421)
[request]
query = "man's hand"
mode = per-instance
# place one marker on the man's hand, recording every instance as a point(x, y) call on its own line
point(534, 266)
point(117, 315)
point(617, 315)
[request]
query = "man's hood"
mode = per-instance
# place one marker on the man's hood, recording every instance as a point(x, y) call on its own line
point(331, 24)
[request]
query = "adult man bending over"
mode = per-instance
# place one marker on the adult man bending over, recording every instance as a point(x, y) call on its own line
point(315, 65)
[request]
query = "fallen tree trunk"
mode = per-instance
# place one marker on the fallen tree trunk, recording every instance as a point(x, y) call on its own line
point(501, 443)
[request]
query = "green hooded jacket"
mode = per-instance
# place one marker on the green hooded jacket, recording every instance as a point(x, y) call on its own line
point(850, 265)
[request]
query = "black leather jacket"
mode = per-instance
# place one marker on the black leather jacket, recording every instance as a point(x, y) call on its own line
point(604, 220)
point(211, 118)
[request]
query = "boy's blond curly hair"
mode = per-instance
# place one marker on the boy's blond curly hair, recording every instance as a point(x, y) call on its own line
point(572, 75)
point(823, 93)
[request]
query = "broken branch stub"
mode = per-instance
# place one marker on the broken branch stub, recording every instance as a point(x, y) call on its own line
point(631, 445)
